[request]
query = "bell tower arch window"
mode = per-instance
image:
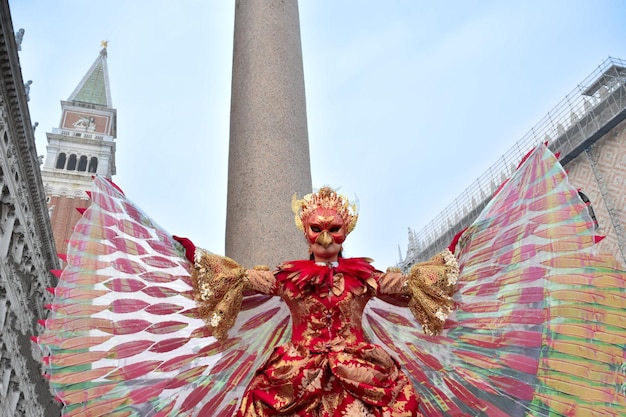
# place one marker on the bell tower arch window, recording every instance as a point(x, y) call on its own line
point(61, 161)
point(82, 163)
point(71, 163)
point(93, 164)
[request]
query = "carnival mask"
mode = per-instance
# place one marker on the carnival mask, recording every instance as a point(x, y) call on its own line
point(325, 226)
point(325, 210)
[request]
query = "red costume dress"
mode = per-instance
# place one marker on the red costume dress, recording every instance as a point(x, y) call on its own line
point(329, 368)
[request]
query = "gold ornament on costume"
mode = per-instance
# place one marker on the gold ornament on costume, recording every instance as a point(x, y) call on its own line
point(218, 284)
point(431, 286)
point(326, 198)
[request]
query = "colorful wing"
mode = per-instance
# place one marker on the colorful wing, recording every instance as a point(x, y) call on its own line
point(540, 328)
point(124, 338)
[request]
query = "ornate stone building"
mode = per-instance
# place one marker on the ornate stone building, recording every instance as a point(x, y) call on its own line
point(27, 248)
point(83, 145)
point(588, 128)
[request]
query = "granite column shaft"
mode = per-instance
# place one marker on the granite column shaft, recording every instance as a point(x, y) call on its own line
point(269, 149)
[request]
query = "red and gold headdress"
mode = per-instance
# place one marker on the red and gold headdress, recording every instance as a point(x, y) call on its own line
point(325, 198)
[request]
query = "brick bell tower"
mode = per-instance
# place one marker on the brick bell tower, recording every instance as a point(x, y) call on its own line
point(82, 146)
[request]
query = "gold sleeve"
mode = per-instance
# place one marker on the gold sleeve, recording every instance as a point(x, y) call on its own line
point(429, 286)
point(218, 284)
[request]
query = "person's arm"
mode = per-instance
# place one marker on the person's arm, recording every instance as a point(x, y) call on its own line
point(428, 288)
point(261, 280)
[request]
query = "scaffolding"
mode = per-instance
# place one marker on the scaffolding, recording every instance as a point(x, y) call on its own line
point(593, 108)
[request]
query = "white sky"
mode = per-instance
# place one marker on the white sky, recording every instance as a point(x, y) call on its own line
point(408, 101)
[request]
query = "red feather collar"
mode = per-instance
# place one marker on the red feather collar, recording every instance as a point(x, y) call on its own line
point(323, 276)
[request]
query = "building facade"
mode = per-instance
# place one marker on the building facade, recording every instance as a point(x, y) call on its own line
point(588, 129)
point(27, 248)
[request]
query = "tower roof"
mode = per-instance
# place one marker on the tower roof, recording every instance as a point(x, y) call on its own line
point(94, 87)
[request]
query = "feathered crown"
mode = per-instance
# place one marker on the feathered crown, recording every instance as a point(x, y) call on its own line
point(326, 198)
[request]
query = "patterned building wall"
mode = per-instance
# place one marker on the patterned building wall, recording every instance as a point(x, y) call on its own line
point(600, 173)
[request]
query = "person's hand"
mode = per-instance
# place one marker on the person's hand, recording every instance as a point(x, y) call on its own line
point(190, 248)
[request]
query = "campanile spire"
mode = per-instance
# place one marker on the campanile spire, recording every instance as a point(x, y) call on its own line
point(82, 146)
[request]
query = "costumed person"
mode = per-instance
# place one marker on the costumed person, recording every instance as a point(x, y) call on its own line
point(539, 326)
point(329, 368)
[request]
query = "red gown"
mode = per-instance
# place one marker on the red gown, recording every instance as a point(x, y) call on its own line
point(329, 368)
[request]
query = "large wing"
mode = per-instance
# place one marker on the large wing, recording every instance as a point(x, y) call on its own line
point(540, 328)
point(124, 338)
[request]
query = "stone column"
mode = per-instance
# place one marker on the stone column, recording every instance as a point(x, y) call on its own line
point(269, 148)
